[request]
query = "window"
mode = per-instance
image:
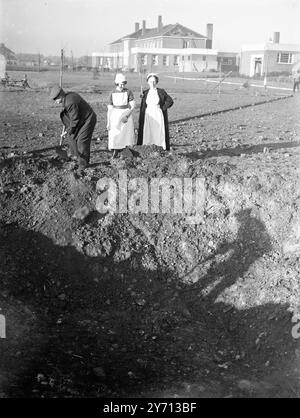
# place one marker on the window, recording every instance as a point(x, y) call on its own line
point(189, 58)
point(176, 60)
point(227, 61)
point(284, 58)
point(204, 58)
point(143, 59)
point(155, 59)
point(182, 58)
point(166, 61)
point(185, 44)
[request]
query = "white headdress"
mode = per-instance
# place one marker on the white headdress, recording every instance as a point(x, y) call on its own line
point(120, 78)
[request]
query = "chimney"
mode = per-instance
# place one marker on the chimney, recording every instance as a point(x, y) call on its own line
point(137, 27)
point(144, 28)
point(209, 35)
point(276, 38)
point(159, 24)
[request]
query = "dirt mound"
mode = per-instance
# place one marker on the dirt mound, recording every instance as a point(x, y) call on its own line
point(136, 303)
point(108, 291)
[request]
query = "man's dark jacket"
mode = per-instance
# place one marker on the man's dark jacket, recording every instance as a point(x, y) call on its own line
point(76, 113)
point(79, 119)
point(165, 101)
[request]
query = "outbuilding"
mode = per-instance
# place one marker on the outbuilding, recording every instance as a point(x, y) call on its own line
point(2, 66)
point(267, 58)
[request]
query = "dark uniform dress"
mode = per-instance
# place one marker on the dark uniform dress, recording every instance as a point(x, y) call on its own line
point(164, 102)
point(79, 119)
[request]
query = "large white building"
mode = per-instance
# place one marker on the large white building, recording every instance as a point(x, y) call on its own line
point(171, 47)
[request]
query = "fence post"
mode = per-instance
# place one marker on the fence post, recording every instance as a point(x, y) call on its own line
point(61, 66)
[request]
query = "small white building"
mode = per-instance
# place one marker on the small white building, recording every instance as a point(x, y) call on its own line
point(2, 66)
point(269, 57)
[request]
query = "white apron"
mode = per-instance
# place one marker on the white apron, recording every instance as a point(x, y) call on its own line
point(154, 124)
point(120, 134)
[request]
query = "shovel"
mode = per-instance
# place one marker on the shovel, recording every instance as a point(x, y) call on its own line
point(59, 151)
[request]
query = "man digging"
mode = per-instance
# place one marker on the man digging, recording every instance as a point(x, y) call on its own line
point(79, 122)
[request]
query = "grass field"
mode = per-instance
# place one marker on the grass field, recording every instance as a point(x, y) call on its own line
point(191, 98)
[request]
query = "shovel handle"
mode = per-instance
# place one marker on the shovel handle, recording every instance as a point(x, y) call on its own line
point(62, 136)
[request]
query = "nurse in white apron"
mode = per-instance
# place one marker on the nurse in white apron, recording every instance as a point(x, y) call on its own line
point(153, 119)
point(154, 125)
point(120, 124)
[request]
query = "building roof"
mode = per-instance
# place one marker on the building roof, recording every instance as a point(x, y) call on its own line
point(29, 57)
point(168, 30)
point(6, 52)
point(271, 46)
point(227, 54)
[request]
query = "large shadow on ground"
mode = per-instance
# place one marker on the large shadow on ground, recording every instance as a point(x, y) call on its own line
point(97, 328)
point(252, 242)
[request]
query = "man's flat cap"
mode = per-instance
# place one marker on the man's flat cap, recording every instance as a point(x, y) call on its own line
point(55, 92)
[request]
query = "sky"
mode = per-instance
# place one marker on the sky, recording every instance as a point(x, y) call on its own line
point(86, 26)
